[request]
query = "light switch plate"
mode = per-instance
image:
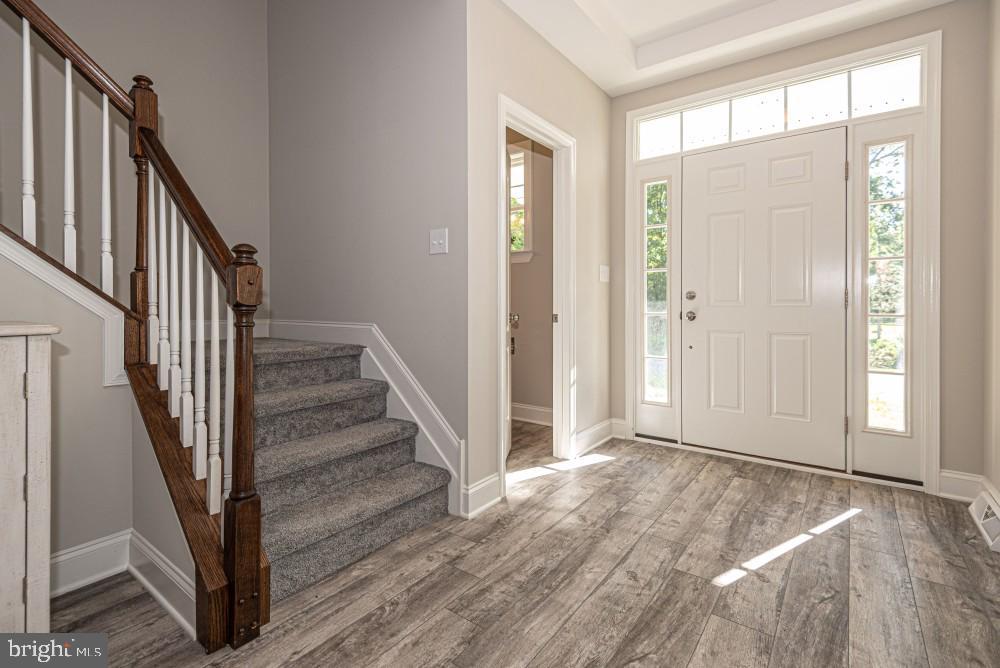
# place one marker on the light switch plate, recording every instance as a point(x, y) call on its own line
point(605, 273)
point(439, 241)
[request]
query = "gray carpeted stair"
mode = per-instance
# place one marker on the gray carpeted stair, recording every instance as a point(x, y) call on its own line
point(337, 478)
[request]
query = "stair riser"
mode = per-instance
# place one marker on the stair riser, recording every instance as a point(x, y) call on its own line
point(307, 372)
point(300, 486)
point(318, 419)
point(313, 562)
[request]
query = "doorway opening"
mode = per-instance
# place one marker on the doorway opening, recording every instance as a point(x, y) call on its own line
point(513, 252)
point(529, 197)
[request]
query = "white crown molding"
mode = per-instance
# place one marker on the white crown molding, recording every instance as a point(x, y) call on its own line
point(588, 33)
point(437, 442)
point(113, 318)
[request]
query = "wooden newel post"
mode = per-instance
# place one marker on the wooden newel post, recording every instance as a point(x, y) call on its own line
point(242, 520)
point(145, 117)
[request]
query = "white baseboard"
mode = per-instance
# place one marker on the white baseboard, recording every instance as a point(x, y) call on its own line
point(961, 486)
point(437, 442)
point(619, 429)
point(478, 497)
point(169, 585)
point(592, 437)
point(95, 560)
point(89, 562)
point(532, 414)
point(113, 318)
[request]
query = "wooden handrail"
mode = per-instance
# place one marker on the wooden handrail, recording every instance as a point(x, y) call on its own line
point(232, 575)
point(201, 225)
point(67, 48)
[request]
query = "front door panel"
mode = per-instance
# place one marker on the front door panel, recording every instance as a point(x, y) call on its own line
point(763, 340)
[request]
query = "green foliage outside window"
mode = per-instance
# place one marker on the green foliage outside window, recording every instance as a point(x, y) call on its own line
point(516, 227)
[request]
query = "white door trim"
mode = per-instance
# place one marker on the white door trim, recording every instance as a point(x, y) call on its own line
point(563, 145)
point(927, 268)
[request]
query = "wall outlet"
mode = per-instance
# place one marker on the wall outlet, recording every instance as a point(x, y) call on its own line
point(605, 273)
point(439, 241)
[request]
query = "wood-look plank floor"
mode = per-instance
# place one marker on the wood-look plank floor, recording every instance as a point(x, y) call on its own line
point(646, 555)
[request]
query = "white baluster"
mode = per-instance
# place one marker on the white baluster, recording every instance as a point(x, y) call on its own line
point(107, 260)
point(175, 320)
point(187, 398)
point(69, 180)
point(163, 370)
point(153, 331)
point(27, 139)
point(200, 428)
point(213, 488)
point(227, 457)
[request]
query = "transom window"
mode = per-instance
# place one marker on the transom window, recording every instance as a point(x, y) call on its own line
point(886, 287)
point(853, 93)
point(656, 301)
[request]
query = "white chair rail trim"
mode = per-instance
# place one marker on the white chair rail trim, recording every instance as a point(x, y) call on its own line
point(113, 318)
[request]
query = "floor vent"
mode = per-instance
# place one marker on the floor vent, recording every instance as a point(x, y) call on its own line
point(986, 513)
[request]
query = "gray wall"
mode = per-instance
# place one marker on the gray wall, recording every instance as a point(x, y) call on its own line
point(531, 294)
point(208, 62)
point(965, 197)
point(91, 424)
point(368, 154)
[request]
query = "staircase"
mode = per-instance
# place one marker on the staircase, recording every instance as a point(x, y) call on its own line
point(280, 462)
point(337, 479)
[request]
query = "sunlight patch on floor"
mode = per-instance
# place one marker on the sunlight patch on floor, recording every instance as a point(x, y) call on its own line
point(514, 477)
point(766, 557)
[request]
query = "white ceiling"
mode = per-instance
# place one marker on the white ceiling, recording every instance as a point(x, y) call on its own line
point(625, 45)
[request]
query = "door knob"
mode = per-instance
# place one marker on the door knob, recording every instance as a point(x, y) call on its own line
point(690, 315)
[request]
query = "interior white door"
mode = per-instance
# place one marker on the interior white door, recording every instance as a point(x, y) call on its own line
point(763, 316)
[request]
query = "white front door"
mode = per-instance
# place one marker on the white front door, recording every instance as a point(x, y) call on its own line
point(763, 310)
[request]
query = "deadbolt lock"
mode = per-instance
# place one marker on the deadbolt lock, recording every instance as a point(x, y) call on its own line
point(690, 295)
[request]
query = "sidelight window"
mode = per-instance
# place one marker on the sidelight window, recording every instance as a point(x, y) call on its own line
point(887, 285)
point(656, 295)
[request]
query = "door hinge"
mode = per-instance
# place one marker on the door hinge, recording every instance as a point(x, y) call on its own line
point(847, 297)
point(847, 170)
point(555, 317)
point(846, 429)
point(25, 384)
point(24, 590)
point(24, 488)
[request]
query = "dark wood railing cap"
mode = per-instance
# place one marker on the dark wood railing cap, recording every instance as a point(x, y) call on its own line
point(142, 81)
point(244, 254)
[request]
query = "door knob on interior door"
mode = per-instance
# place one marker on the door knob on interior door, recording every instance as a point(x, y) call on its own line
point(690, 315)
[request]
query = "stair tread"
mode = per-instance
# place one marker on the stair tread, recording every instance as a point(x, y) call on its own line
point(294, 527)
point(304, 453)
point(267, 350)
point(273, 402)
